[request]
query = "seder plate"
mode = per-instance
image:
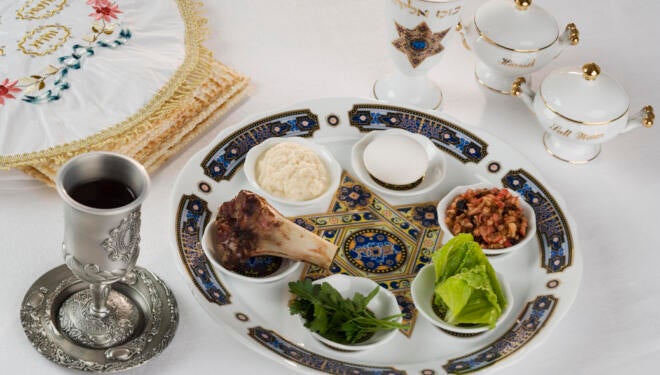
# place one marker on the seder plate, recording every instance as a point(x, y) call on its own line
point(544, 275)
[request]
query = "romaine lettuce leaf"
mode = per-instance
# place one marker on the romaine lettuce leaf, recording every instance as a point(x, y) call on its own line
point(469, 298)
point(466, 284)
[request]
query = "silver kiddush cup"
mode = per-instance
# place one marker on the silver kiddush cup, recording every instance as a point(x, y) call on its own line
point(101, 246)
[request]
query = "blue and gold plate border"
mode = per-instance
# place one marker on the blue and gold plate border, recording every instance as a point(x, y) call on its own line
point(281, 346)
point(451, 138)
point(529, 323)
point(227, 157)
point(192, 217)
point(554, 235)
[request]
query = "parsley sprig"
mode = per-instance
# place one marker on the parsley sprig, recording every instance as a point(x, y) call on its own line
point(343, 320)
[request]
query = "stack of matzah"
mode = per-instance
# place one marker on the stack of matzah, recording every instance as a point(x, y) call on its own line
point(141, 86)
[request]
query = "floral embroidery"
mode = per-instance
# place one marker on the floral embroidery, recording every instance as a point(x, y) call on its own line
point(6, 90)
point(38, 86)
point(104, 9)
point(36, 82)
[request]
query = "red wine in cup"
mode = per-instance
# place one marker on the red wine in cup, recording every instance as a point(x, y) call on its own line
point(102, 193)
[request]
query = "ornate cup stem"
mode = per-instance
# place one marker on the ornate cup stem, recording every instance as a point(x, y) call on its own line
point(99, 305)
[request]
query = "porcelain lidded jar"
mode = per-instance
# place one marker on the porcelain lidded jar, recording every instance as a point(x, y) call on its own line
point(579, 110)
point(512, 38)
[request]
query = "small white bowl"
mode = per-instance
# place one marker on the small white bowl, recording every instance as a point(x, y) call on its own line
point(286, 268)
point(331, 165)
point(382, 305)
point(423, 293)
point(528, 211)
point(435, 172)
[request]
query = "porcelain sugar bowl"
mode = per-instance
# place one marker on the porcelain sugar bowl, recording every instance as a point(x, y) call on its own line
point(512, 38)
point(579, 110)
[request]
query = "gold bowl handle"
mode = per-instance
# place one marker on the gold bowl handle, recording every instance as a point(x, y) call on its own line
point(648, 117)
point(571, 34)
point(461, 30)
point(516, 87)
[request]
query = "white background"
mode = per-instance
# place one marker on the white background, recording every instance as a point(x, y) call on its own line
point(302, 49)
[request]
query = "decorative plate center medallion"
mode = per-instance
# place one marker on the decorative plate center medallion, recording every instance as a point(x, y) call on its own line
point(388, 244)
point(375, 250)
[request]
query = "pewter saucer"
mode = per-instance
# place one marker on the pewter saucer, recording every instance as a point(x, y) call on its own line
point(157, 310)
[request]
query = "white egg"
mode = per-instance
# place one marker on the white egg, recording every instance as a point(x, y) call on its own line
point(395, 159)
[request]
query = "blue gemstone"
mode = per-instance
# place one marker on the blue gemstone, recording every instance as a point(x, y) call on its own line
point(418, 44)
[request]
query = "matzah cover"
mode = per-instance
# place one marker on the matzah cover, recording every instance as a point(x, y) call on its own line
point(74, 73)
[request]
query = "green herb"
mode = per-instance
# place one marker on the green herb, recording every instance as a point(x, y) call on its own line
point(343, 320)
point(465, 283)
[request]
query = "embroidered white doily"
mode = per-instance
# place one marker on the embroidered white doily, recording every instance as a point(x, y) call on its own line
point(70, 69)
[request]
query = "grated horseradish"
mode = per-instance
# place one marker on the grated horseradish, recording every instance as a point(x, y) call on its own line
point(292, 171)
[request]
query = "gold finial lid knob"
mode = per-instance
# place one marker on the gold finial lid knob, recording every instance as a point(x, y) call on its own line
point(590, 71)
point(523, 4)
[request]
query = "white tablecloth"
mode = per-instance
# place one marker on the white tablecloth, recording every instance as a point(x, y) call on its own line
point(296, 50)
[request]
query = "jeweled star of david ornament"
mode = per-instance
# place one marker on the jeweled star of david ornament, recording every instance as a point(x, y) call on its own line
point(419, 43)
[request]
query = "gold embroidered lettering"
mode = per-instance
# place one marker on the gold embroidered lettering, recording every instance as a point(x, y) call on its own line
point(40, 9)
point(44, 40)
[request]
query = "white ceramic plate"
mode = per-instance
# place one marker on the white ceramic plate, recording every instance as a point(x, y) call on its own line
point(544, 276)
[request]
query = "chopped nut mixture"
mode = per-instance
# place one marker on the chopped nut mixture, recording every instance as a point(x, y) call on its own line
point(493, 216)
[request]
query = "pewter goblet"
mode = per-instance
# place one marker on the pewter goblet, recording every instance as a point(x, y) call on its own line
point(416, 30)
point(101, 244)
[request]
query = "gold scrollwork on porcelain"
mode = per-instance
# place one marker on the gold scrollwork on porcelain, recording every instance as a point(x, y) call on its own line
point(448, 12)
point(40, 9)
point(44, 40)
point(508, 62)
point(559, 130)
point(442, 13)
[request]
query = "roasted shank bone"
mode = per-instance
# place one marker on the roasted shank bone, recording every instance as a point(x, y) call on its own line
point(248, 226)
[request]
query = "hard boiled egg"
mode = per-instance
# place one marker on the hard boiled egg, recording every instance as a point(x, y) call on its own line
point(396, 161)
